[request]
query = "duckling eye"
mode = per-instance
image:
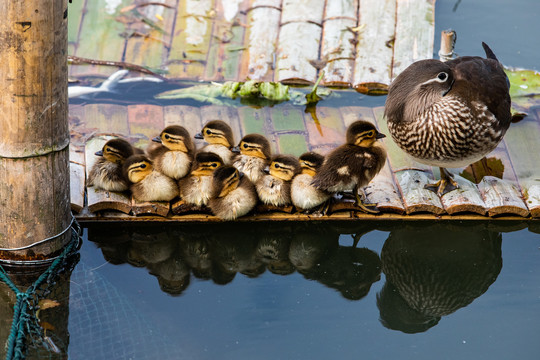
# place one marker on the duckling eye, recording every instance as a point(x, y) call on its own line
point(442, 76)
point(143, 166)
point(208, 132)
point(245, 146)
point(213, 165)
point(371, 133)
point(167, 136)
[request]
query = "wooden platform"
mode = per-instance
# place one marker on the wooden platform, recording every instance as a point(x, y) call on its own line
point(511, 188)
point(358, 43)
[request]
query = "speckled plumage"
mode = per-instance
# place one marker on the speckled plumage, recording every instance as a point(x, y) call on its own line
point(246, 162)
point(452, 122)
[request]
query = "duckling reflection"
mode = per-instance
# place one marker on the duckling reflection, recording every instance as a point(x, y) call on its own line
point(172, 274)
point(433, 271)
point(195, 250)
point(273, 249)
point(114, 242)
point(350, 270)
point(149, 248)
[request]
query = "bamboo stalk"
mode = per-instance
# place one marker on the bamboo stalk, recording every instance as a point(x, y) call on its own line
point(448, 41)
point(34, 154)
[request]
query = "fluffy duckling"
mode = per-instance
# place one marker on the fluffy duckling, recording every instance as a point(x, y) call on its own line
point(233, 195)
point(173, 158)
point(275, 188)
point(196, 188)
point(352, 166)
point(148, 184)
point(255, 154)
point(107, 172)
point(219, 136)
point(304, 195)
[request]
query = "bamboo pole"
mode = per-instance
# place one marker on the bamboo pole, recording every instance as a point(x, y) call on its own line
point(34, 135)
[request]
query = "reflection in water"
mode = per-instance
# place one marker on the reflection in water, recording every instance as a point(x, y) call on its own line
point(432, 271)
point(218, 252)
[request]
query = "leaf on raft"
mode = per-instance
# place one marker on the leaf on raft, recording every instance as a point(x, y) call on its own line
point(47, 304)
point(274, 91)
point(313, 97)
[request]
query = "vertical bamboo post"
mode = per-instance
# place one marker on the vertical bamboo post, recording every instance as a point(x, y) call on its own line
point(34, 134)
point(448, 42)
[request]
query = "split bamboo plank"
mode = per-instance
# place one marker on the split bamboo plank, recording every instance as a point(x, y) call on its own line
point(382, 190)
point(186, 116)
point(503, 196)
point(108, 118)
point(465, 199)
point(191, 38)
point(411, 177)
point(254, 121)
point(326, 131)
point(415, 30)
point(160, 208)
point(146, 120)
point(223, 113)
point(99, 200)
point(77, 176)
point(149, 35)
point(227, 42)
point(261, 40)
point(522, 143)
point(75, 16)
point(100, 35)
point(299, 41)
point(374, 51)
point(338, 42)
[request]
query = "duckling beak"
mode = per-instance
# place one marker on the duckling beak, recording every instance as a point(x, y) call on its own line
point(267, 170)
point(99, 153)
point(199, 136)
point(157, 139)
point(236, 149)
point(380, 136)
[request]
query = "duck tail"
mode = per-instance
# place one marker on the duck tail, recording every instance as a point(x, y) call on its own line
point(489, 53)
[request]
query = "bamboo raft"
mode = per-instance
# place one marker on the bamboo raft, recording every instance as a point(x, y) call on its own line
point(358, 43)
point(508, 186)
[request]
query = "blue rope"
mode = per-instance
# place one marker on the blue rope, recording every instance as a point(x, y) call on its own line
point(25, 323)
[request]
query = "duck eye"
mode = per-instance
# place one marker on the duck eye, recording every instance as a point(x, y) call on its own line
point(213, 165)
point(371, 133)
point(167, 136)
point(208, 132)
point(442, 76)
point(245, 146)
point(143, 166)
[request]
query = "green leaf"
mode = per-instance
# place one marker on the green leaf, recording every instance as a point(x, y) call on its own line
point(524, 88)
point(274, 91)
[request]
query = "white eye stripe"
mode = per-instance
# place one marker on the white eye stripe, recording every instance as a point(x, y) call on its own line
point(437, 79)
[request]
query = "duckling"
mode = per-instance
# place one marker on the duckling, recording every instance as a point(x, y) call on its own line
point(219, 136)
point(148, 184)
point(255, 153)
point(352, 166)
point(233, 195)
point(275, 188)
point(173, 158)
point(195, 188)
point(107, 172)
point(304, 195)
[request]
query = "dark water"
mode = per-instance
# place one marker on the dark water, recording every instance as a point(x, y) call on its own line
point(283, 291)
point(307, 291)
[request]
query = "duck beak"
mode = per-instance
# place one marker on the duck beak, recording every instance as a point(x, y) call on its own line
point(236, 150)
point(157, 139)
point(199, 136)
point(380, 136)
point(99, 153)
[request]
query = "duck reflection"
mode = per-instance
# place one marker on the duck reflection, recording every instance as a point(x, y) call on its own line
point(219, 252)
point(432, 271)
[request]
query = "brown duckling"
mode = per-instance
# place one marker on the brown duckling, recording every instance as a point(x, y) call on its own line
point(233, 195)
point(275, 188)
point(196, 188)
point(255, 154)
point(173, 158)
point(148, 184)
point(304, 195)
point(107, 172)
point(352, 166)
point(219, 136)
